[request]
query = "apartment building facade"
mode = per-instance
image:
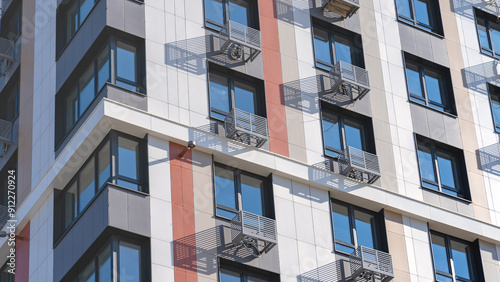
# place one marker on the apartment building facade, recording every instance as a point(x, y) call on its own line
point(250, 140)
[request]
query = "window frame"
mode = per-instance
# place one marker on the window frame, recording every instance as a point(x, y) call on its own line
point(5, 269)
point(379, 226)
point(13, 10)
point(445, 84)
point(494, 91)
point(114, 248)
point(59, 198)
point(267, 201)
point(253, 15)
point(365, 122)
point(62, 40)
point(333, 32)
point(244, 271)
point(92, 59)
point(475, 262)
point(232, 78)
point(13, 85)
point(435, 12)
point(487, 18)
point(460, 173)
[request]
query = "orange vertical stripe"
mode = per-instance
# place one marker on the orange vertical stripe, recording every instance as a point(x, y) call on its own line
point(278, 137)
point(22, 255)
point(181, 173)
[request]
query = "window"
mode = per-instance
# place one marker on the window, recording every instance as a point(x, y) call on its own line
point(127, 170)
point(332, 45)
point(11, 21)
point(442, 168)
point(454, 259)
point(235, 272)
point(429, 84)
point(228, 91)
point(244, 12)
point(421, 13)
point(354, 226)
point(342, 129)
point(78, 94)
point(488, 32)
point(70, 16)
point(7, 273)
point(237, 190)
point(495, 105)
point(124, 255)
point(9, 100)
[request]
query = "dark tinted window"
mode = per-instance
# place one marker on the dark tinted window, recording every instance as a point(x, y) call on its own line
point(70, 16)
point(217, 12)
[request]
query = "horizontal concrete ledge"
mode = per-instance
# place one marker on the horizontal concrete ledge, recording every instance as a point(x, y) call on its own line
point(112, 115)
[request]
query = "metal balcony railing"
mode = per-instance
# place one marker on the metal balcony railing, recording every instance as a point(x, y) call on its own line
point(246, 127)
point(350, 79)
point(253, 232)
point(360, 165)
point(5, 135)
point(240, 36)
point(367, 262)
point(345, 8)
point(6, 55)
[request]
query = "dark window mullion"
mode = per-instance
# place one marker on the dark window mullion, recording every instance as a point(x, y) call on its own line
point(421, 71)
point(436, 167)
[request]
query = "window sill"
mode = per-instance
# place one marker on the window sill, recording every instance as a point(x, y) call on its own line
point(433, 109)
point(487, 55)
point(422, 29)
point(466, 201)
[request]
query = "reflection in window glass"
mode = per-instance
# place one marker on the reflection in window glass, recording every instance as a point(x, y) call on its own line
point(71, 108)
point(365, 226)
point(105, 267)
point(70, 205)
point(419, 12)
point(225, 193)
point(214, 11)
point(495, 106)
point(239, 11)
point(86, 86)
point(331, 135)
point(414, 81)
point(88, 273)
point(130, 262)
point(434, 161)
point(126, 66)
point(244, 98)
point(439, 252)
point(251, 194)
point(354, 135)
point(229, 276)
point(488, 31)
point(104, 167)
point(404, 8)
point(86, 184)
point(432, 92)
point(449, 251)
point(128, 158)
point(72, 20)
point(219, 96)
point(343, 49)
point(341, 225)
point(103, 71)
point(85, 7)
